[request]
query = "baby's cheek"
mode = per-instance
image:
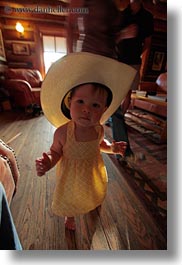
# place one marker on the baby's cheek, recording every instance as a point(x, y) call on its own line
point(97, 115)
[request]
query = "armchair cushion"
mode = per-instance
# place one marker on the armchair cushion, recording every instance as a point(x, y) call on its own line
point(31, 76)
point(24, 86)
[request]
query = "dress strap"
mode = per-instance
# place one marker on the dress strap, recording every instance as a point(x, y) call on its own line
point(99, 131)
point(70, 131)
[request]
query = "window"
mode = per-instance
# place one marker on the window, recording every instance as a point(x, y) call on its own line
point(54, 48)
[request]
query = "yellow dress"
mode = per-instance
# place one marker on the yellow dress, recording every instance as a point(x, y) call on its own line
point(81, 182)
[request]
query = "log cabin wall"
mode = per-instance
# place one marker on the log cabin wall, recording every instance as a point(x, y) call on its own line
point(32, 39)
point(36, 24)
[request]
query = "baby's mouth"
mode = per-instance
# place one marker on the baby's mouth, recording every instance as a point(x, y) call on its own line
point(85, 118)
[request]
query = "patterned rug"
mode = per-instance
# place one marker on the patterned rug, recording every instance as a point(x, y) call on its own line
point(149, 177)
point(151, 126)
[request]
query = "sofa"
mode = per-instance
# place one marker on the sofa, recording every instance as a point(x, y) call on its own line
point(9, 172)
point(9, 175)
point(6, 178)
point(23, 86)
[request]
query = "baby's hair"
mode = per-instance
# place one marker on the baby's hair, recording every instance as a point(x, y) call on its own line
point(96, 86)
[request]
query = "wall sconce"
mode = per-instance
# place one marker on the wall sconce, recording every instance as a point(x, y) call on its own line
point(20, 29)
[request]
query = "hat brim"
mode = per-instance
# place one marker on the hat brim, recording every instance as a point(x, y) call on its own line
point(79, 68)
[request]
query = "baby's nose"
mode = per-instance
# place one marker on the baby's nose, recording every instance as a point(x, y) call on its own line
point(86, 109)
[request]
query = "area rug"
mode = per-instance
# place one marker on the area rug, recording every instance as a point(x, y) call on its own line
point(147, 124)
point(149, 177)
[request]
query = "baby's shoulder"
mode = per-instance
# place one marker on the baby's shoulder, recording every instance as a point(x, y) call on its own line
point(62, 130)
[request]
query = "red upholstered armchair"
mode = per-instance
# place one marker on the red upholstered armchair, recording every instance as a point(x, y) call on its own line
point(24, 86)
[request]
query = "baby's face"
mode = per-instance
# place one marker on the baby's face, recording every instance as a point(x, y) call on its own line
point(87, 105)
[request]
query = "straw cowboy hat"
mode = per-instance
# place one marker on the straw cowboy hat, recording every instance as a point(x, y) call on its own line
point(79, 68)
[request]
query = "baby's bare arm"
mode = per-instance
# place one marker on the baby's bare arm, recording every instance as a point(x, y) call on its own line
point(114, 148)
point(50, 159)
point(105, 147)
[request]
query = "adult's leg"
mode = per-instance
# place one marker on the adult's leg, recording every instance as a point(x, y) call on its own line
point(119, 130)
point(127, 100)
point(119, 127)
point(70, 223)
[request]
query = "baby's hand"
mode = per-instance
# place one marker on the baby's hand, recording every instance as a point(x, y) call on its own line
point(43, 164)
point(119, 147)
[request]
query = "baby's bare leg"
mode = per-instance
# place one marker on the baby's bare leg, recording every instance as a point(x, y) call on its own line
point(70, 223)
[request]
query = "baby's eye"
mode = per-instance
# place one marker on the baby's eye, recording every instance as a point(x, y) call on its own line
point(96, 105)
point(80, 101)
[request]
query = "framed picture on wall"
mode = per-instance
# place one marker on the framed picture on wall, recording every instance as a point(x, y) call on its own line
point(2, 51)
point(158, 61)
point(20, 48)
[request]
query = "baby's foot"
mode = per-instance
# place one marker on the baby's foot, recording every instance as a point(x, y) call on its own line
point(70, 223)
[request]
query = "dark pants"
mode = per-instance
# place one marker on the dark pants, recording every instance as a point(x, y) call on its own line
point(8, 235)
point(119, 130)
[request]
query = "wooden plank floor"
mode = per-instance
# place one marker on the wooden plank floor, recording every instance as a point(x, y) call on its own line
point(122, 223)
